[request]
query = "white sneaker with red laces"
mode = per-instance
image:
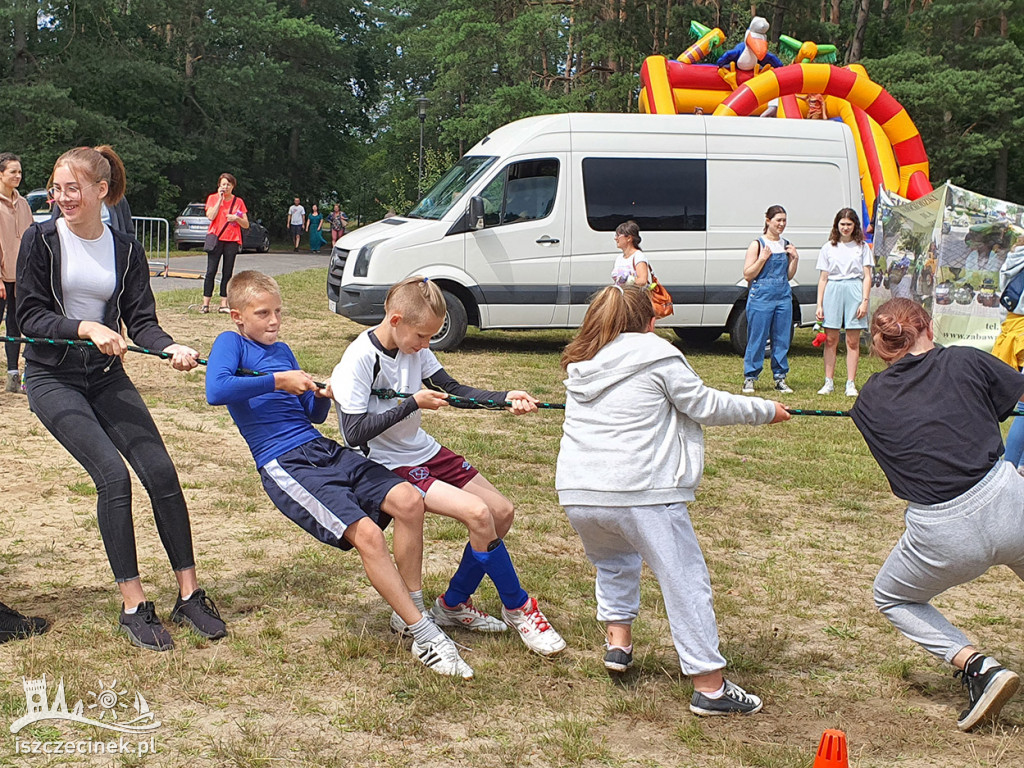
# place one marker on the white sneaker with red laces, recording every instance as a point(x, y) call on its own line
point(534, 629)
point(464, 615)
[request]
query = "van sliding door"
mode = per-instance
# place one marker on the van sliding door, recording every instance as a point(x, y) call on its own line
point(516, 256)
point(666, 195)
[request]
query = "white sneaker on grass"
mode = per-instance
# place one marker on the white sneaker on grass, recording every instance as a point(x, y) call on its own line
point(748, 386)
point(398, 626)
point(534, 629)
point(828, 389)
point(851, 389)
point(464, 615)
point(442, 656)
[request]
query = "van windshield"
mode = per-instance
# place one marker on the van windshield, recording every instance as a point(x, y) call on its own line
point(449, 190)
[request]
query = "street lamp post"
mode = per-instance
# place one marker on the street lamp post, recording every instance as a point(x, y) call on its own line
point(421, 109)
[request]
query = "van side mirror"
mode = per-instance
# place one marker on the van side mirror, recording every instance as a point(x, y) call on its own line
point(476, 212)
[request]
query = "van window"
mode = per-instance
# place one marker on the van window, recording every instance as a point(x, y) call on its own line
point(523, 191)
point(443, 195)
point(657, 193)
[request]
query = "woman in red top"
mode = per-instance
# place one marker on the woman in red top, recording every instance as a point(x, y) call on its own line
point(228, 217)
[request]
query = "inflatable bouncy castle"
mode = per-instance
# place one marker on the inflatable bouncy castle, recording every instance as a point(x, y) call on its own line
point(802, 82)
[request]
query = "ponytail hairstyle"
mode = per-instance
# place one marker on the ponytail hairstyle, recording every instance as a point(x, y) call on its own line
point(417, 299)
point(771, 213)
point(613, 310)
point(6, 158)
point(631, 230)
point(896, 327)
point(846, 213)
point(96, 164)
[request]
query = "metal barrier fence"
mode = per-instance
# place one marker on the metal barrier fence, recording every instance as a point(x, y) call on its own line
point(155, 236)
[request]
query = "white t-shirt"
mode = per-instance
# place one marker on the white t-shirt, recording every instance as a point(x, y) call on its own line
point(624, 268)
point(405, 444)
point(87, 275)
point(844, 260)
point(297, 214)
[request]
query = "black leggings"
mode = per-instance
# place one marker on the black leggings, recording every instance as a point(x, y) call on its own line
point(223, 248)
point(98, 416)
point(13, 348)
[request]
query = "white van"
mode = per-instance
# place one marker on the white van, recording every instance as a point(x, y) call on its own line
point(519, 233)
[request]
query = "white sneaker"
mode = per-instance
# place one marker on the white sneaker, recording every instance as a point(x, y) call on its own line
point(748, 386)
point(851, 389)
point(464, 615)
point(442, 656)
point(534, 629)
point(398, 626)
point(828, 389)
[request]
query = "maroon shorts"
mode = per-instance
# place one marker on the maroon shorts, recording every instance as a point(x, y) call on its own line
point(445, 465)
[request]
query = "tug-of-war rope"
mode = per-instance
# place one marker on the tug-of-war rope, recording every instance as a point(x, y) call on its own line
point(383, 394)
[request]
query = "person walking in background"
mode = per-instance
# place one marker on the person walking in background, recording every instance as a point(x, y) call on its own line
point(296, 222)
point(769, 265)
point(843, 291)
point(630, 459)
point(631, 267)
point(228, 217)
point(15, 218)
point(1009, 346)
point(313, 224)
point(338, 221)
point(81, 279)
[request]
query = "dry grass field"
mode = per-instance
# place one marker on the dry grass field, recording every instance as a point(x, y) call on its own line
point(794, 520)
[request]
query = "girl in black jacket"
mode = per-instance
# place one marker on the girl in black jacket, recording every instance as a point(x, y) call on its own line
point(80, 279)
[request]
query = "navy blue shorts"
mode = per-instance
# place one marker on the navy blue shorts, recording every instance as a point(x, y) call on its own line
point(324, 488)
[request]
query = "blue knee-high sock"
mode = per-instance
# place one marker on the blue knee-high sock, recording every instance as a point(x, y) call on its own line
point(466, 580)
point(498, 565)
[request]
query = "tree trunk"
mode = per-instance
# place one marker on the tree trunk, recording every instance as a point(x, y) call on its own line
point(859, 29)
point(22, 18)
point(834, 18)
point(886, 7)
point(1002, 175)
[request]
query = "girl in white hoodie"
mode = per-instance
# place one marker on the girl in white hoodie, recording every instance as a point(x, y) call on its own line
point(631, 393)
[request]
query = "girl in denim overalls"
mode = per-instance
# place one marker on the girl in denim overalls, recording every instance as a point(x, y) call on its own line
point(769, 265)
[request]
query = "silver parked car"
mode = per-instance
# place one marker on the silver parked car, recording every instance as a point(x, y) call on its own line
point(40, 204)
point(191, 226)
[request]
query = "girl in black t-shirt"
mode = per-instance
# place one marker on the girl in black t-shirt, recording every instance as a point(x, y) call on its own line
point(965, 509)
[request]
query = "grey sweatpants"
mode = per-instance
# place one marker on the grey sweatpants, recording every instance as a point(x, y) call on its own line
point(618, 540)
point(949, 544)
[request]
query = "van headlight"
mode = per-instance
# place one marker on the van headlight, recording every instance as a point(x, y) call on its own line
point(362, 265)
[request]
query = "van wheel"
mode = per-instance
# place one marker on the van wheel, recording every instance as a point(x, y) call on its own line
point(738, 334)
point(698, 337)
point(453, 330)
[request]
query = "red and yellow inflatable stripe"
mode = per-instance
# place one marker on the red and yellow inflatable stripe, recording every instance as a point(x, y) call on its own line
point(861, 92)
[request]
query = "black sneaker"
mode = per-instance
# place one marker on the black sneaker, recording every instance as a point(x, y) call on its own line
point(987, 690)
point(782, 386)
point(201, 614)
point(14, 625)
point(144, 628)
point(618, 659)
point(734, 701)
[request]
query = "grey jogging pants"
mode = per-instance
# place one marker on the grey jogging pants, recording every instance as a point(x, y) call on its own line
point(619, 540)
point(949, 544)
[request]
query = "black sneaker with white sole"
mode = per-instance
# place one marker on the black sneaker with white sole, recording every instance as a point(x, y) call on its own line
point(989, 686)
point(734, 701)
point(144, 628)
point(617, 659)
point(14, 626)
point(200, 613)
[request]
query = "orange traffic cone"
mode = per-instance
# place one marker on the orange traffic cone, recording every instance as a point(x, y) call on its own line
point(832, 750)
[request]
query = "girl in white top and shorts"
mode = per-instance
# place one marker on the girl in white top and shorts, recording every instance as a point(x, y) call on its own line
point(843, 290)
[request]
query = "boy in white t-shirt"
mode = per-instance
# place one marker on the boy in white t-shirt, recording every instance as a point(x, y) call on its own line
point(843, 290)
point(395, 355)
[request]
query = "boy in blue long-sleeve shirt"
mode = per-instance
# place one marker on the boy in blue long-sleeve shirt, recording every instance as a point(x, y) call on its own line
point(331, 492)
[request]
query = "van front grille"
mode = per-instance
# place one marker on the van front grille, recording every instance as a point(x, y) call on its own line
point(337, 268)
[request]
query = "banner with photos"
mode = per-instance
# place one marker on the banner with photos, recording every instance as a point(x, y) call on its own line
point(944, 251)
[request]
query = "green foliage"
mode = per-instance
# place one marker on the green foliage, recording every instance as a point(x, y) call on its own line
point(318, 97)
